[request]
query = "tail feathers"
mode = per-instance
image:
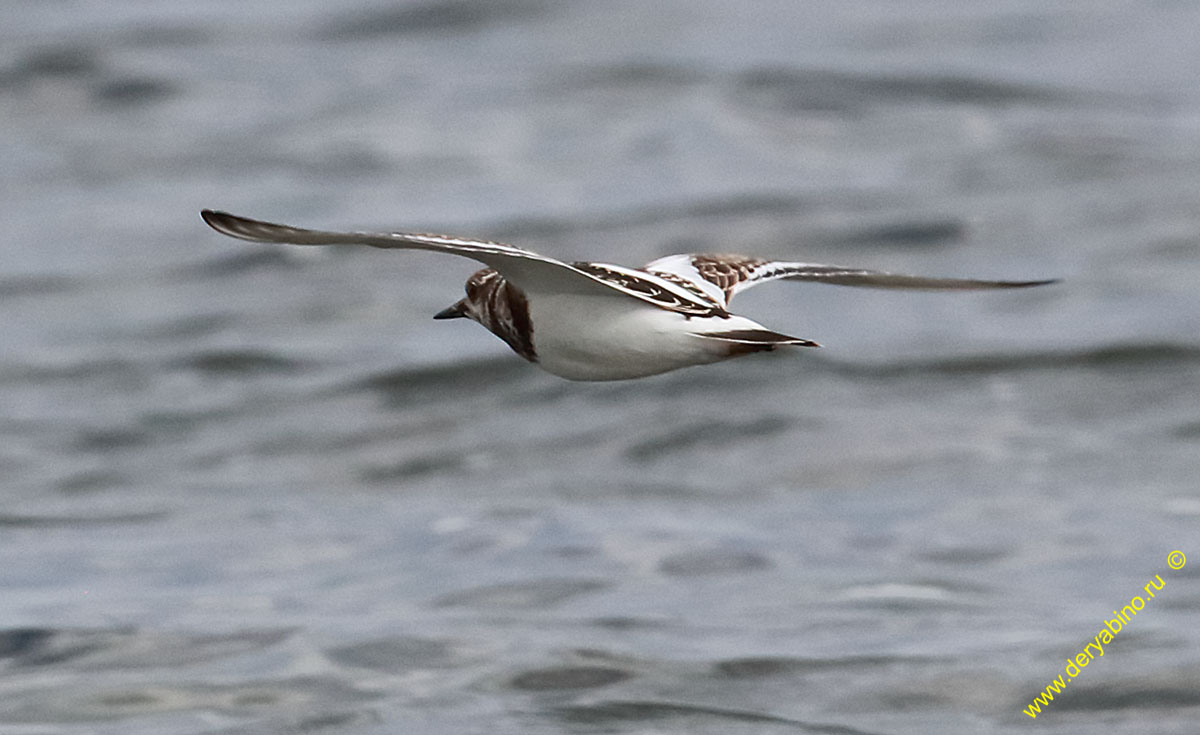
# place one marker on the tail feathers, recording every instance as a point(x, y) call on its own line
point(742, 341)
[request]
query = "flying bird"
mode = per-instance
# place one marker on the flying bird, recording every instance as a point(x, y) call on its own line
point(599, 321)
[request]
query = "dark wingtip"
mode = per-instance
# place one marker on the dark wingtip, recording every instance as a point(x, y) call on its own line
point(232, 225)
point(1029, 284)
point(216, 219)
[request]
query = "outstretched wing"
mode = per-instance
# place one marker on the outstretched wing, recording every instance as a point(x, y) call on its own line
point(529, 271)
point(723, 276)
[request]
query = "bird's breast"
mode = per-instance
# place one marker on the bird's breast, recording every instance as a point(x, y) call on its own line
point(606, 338)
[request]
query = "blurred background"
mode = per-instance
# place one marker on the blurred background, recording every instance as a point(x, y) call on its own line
point(253, 489)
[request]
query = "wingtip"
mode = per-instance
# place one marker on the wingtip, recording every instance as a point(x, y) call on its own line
point(232, 225)
point(213, 217)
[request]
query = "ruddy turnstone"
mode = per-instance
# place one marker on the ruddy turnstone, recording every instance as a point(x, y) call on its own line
point(598, 321)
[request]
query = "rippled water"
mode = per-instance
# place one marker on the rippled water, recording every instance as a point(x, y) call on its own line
point(252, 489)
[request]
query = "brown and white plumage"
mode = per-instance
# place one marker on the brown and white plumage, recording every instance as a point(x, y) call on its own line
point(600, 321)
point(728, 275)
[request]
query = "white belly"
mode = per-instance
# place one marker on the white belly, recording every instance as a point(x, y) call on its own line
point(605, 338)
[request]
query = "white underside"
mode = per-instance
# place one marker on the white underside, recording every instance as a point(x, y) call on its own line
point(605, 338)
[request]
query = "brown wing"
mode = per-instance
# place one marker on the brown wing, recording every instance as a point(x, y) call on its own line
point(526, 269)
point(732, 274)
point(728, 272)
point(662, 289)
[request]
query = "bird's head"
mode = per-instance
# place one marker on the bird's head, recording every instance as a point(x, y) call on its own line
point(479, 287)
point(500, 307)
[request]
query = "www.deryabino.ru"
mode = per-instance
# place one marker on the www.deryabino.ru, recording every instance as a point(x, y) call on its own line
point(1095, 648)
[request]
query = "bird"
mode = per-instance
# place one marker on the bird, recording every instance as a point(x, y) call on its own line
point(592, 321)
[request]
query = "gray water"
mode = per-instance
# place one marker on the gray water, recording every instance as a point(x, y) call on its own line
point(254, 489)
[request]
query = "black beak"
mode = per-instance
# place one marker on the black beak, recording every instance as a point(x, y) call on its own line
point(454, 311)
